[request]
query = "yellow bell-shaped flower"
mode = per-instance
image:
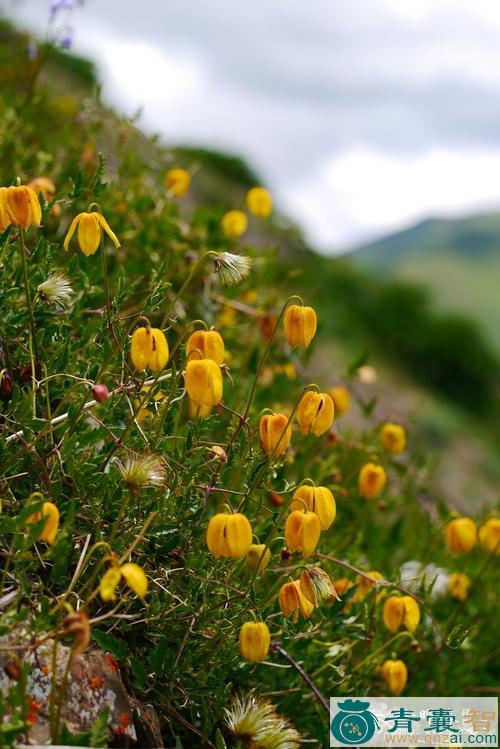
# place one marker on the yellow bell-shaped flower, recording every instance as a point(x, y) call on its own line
point(109, 581)
point(90, 226)
point(255, 639)
point(234, 224)
point(4, 213)
point(204, 382)
point(135, 577)
point(177, 182)
point(461, 535)
point(316, 585)
point(205, 344)
point(458, 585)
point(292, 600)
point(258, 558)
point(302, 530)
point(341, 399)
point(275, 434)
point(317, 499)
point(371, 480)
point(149, 349)
point(489, 535)
point(315, 413)
point(259, 202)
point(23, 206)
point(401, 611)
point(50, 512)
point(300, 325)
point(395, 675)
point(229, 535)
point(393, 438)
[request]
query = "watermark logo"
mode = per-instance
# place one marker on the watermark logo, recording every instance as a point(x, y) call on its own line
point(353, 724)
point(414, 721)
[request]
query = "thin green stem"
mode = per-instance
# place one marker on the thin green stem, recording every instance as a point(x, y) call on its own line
point(29, 303)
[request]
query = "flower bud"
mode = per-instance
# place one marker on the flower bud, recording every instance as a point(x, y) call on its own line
point(275, 434)
point(109, 581)
point(258, 558)
point(489, 535)
point(461, 535)
point(135, 577)
point(6, 386)
point(255, 639)
point(393, 438)
point(341, 399)
point(292, 600)
point(23, 206)
point(100, 392)
point(229, 535)
point(149, 349)
point(302, 530)
point(315, 413)
point(458, 585)
point(401, 610)
point(234, 224)
point(317, 499)
point(395, 675)
point(371, 480)
point(77, 626)
point(316, 585)
point(216, 451)
point(205, 344)
point(266, 325)
point(300, 325)
point(275, 499)
point(51, 525)
point(259, 202)
point(177, 182)
point(204, 382)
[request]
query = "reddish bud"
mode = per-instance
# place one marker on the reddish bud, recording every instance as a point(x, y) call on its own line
point(286, 555)
point(100, 393)
point(6, 387)
point(275, 499)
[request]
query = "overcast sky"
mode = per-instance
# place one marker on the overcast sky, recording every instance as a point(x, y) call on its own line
point(362, 116)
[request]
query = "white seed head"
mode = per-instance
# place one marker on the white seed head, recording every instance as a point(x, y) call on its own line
point(142, 470)
point(256, 721)
point(232, 268)
point(56, 290)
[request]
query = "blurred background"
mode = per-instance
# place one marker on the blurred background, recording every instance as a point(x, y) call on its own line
point(375, 125)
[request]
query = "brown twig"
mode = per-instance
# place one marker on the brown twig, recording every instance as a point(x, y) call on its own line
point(277, 647)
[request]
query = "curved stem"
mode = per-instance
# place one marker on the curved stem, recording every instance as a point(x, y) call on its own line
point(29, 304)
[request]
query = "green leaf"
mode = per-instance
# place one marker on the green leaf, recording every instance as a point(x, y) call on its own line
point(100, 732)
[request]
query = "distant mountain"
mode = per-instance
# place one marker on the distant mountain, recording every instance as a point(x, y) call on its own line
point(457, 259)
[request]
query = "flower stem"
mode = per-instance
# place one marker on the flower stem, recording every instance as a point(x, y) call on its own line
point(29, 303)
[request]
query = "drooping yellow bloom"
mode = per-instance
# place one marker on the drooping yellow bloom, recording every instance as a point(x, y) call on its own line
point(109, 581)
point(300, 325)
point(275, 434)
point(292, 600)
point(90, 227)
point(302, 530)
point(205, 344)
point(258, 557)
point(149, 349)
point(395, 675)
point(489, 535)
point(316, 585)
point(234, 224)
point(178, 182)
point(198, 412)
point(341, 399)
point(255, 639)
point(229, 535)
point(51, 526)
point(342, 585)
point(371, 480)
point(315, 413)
point(135, 577)
point(23, 206)
point(401, 611)
point(365, 585)
point(4, 213)
point(317, 499)
point(458, 585)
point(393, 438)
point(43, 185)
point(204, 382)
point(259, 202)
point(461, 535)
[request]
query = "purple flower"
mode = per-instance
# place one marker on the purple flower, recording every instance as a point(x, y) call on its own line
point(66, 41)
point(58, 5)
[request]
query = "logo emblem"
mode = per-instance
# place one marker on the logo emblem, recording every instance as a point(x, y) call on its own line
point(354, 724)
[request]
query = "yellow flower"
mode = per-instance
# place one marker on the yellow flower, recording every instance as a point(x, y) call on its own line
point(198, 412)
point(135, 577)
point(317, 499)
point(315, 413)
point(342, 585)
point(300, 325)
point(275, 434)
point(489, 535)
point(458, 585)
point(51, 526)
point(302, 531)
point(395, 675)
point(229, 535)
point(371, 480)
point(258, 557)
point(341, 399)
point(204, 382)
point(23, 206)
point(254, 641)
point(461, 535)
point(316, 585)
point(178, 182)
point(205, 344)
point(393, 438)
point(365, 586)
point(43, 185)
point(4, 213)
point(149, 348)
point(401, 610)
point(259, 202)
point(109, 581)
point(234, 224)
point(292, 600)
point(90, 227)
